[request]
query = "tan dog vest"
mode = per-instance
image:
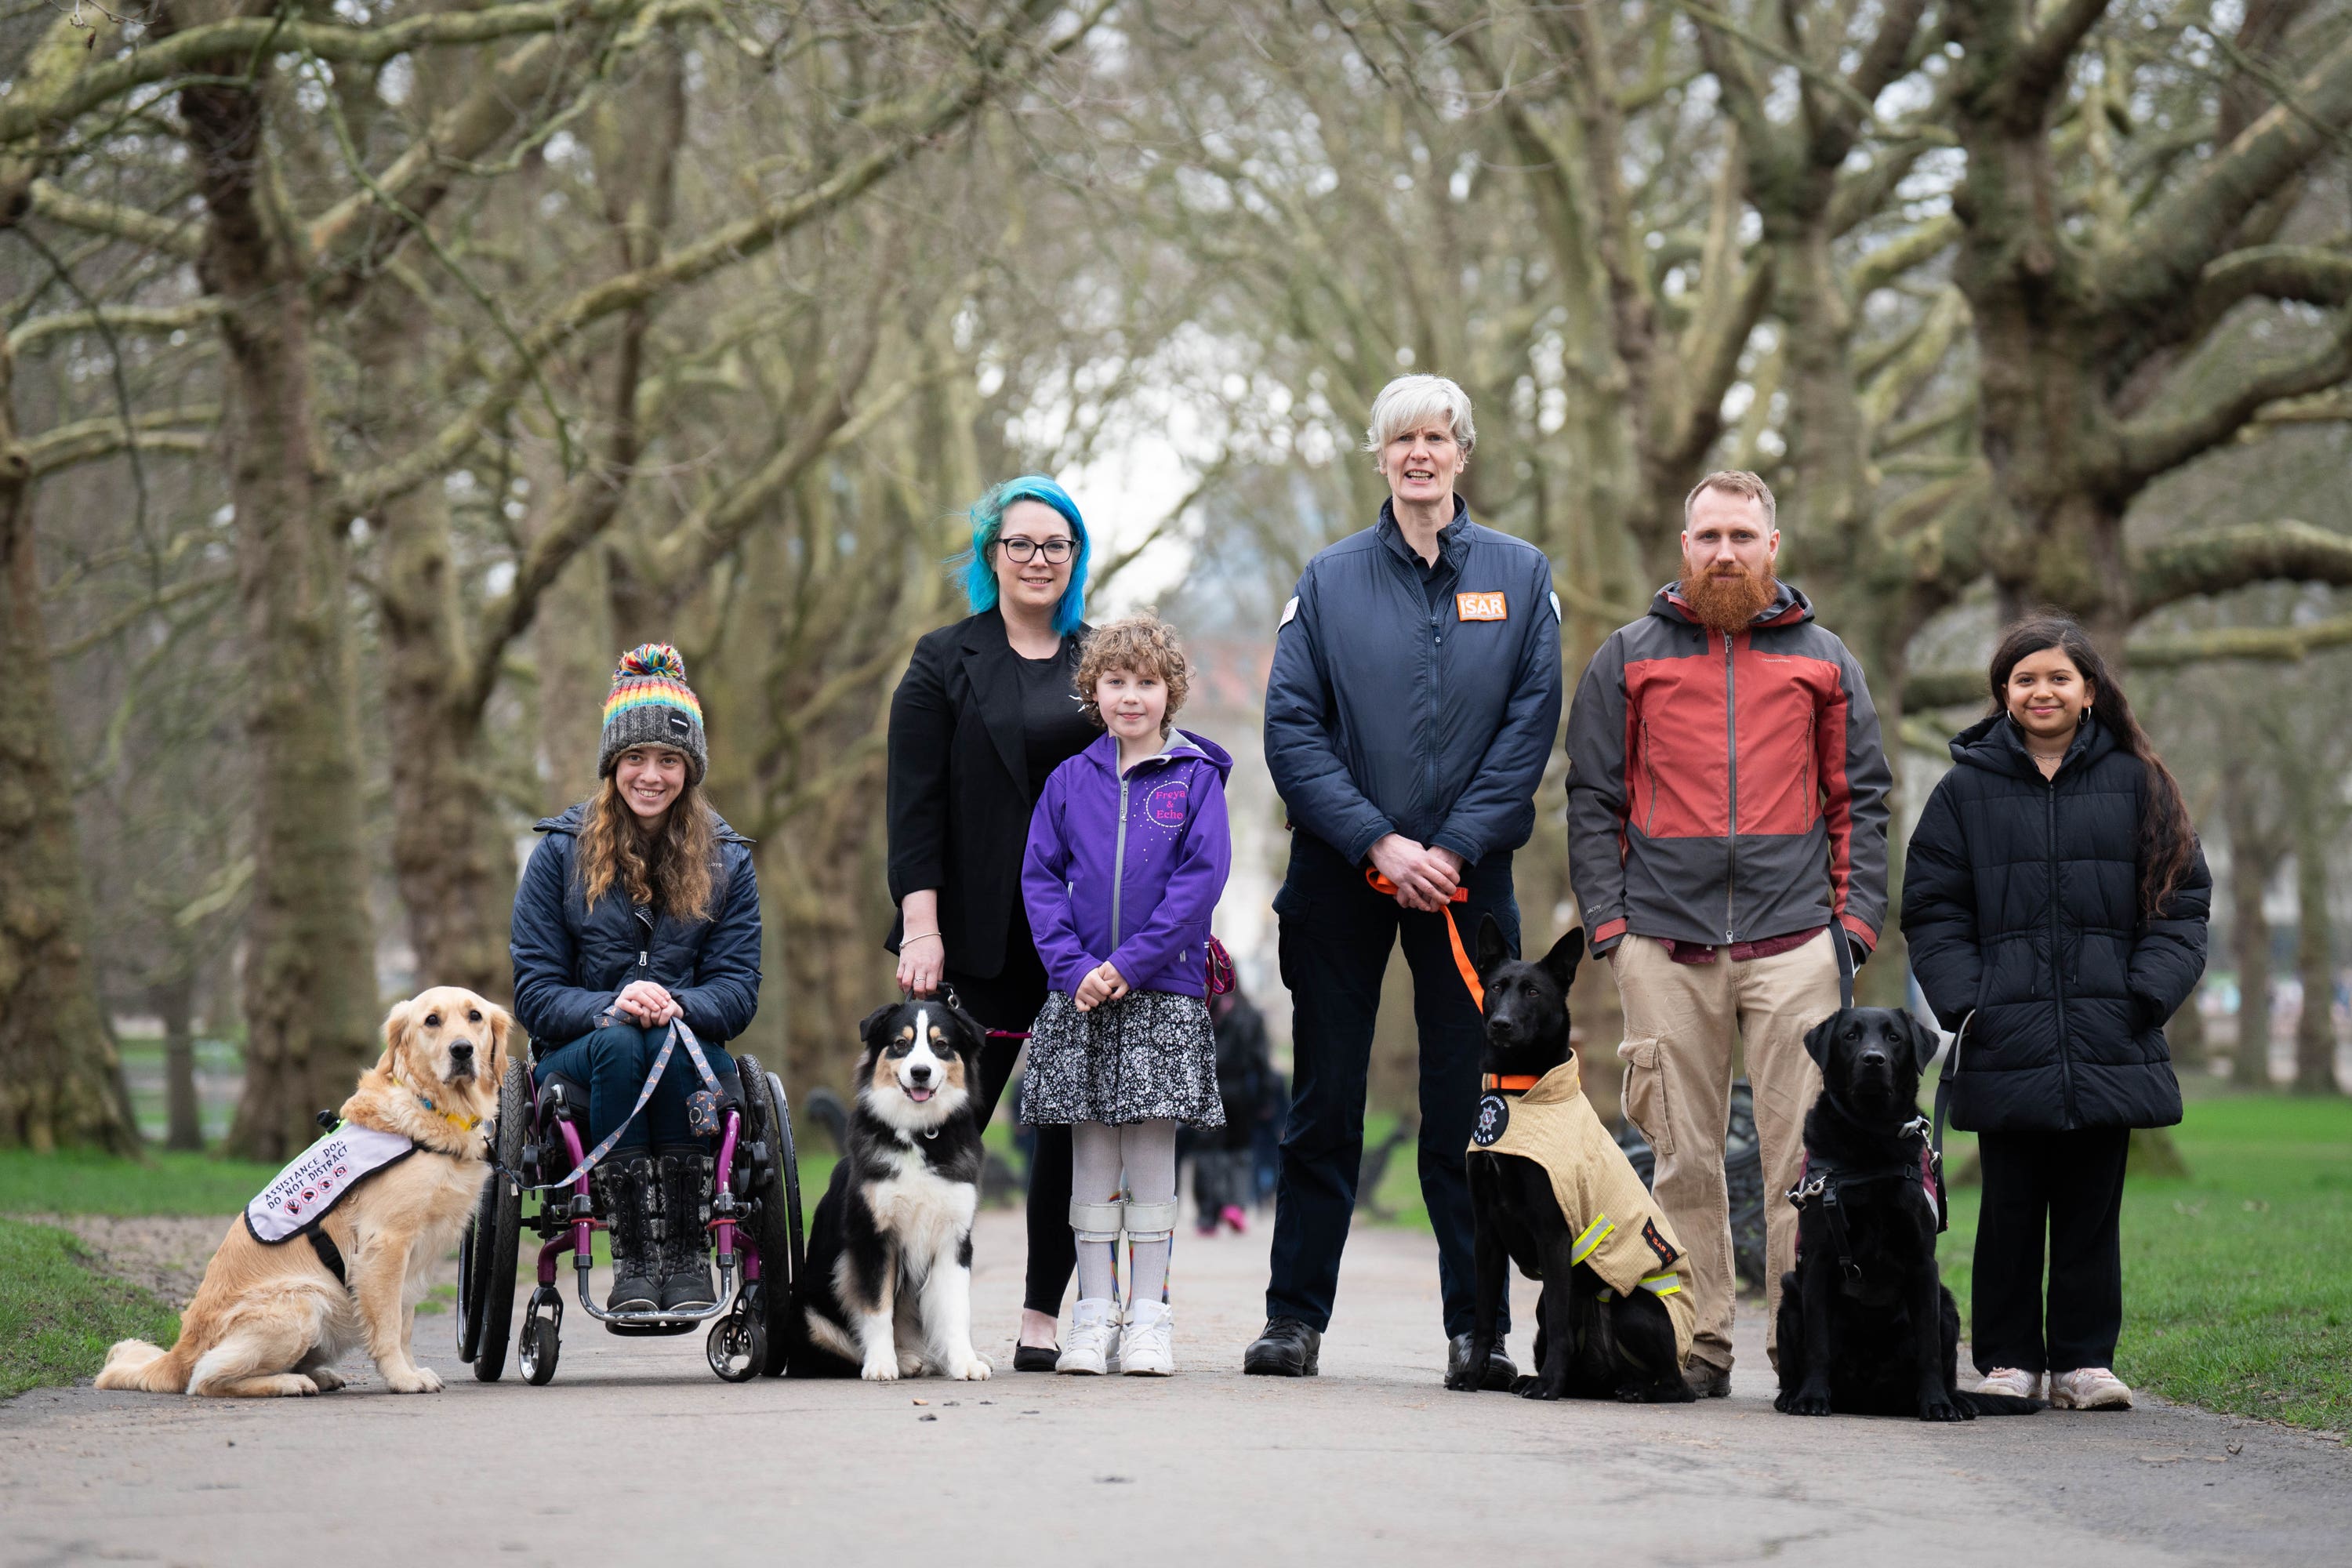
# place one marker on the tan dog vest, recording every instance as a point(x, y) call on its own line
point(1620, 1229)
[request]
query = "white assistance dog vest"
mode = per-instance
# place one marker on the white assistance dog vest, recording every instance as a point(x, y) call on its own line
point(318, 1178)
point(1620, 1229)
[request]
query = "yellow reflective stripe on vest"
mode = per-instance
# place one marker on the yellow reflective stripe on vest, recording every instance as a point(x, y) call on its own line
point(1666, 1284)
point(1594, 1235)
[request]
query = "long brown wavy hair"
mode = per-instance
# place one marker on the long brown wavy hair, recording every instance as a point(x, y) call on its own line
point(672, 869)
point(2167, 838)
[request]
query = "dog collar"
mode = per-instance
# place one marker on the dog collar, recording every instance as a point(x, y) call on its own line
point(463, 1123)
point(1509, 1082)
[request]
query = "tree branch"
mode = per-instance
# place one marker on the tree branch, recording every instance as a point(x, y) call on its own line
point(2146, 448)
point(158, 319)
point(1000, 58)
point(2180, 235)
point(87, 440)
point(26, 115)
point(2041, 66)
point(2222, 559)
point(180, 237)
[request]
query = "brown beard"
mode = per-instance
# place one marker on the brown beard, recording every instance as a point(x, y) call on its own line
point(1728, 604)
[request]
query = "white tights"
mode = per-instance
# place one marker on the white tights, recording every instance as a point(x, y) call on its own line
point(1146, 1151)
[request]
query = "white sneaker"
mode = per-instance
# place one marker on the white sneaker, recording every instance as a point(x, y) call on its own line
point(2089, 1388)
point(1093, 1337)
point(1150, 1347)
point(2012, 1380)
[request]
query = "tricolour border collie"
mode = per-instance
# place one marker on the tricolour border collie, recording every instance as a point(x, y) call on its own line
point(889, 1252)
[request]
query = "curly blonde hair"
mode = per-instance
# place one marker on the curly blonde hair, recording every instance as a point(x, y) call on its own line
point(1142, 644)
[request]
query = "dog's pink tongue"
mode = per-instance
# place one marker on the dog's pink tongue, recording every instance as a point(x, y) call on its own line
point(919, 1095)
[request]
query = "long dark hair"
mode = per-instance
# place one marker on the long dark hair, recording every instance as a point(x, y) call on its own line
point(669, 869)
point(2168, 837)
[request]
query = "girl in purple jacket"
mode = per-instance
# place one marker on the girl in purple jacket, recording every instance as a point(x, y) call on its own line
point(1127, 853)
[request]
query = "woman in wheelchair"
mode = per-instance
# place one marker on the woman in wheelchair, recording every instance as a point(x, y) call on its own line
point(639, 907)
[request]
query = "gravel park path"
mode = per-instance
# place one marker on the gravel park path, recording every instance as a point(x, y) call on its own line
point(635, 1454)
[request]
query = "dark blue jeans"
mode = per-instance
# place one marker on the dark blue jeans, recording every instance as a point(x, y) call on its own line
point(1335, 935)
point(613, 1062)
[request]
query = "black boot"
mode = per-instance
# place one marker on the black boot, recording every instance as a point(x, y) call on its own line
point(627, 1192)
point(686, 1284)
point(1287, 1348)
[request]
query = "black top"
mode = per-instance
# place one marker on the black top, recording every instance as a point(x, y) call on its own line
point(1054, 727)
point(965, 767)
point(1438, 576)
point(2020, 901)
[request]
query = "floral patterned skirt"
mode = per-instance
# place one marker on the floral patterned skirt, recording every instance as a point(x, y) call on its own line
point(1148, 1056)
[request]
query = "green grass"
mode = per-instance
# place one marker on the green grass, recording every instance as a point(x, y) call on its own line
point(2236, 1294)
point(57, 1315)
point(82, 1183)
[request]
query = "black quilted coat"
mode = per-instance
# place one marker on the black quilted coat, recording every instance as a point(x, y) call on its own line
point(2020, 906)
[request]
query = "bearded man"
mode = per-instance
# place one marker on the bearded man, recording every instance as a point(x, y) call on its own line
point(1726, 830)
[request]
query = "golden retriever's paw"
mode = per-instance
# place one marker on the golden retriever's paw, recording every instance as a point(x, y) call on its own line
point(413, 1379)
point(880, 1371)
point(326, 1380)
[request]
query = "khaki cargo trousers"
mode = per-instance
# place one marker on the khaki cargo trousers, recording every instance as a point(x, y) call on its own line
point(1681, 1020)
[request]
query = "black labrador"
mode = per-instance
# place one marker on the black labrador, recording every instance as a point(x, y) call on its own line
point(1591, 1342)
point(1867, 1325)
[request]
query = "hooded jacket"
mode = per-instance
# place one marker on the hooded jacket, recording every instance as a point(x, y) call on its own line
point(1620, 1229)
point(1128, 868)
point(2021, 903)
point(1726, 787)
point(1384, 715)
point(570, 959)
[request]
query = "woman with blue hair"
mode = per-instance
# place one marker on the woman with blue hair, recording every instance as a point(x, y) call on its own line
point(987, 710)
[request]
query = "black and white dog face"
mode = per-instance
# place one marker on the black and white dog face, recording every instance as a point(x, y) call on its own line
point(1871, 1059)
point(918, 1060)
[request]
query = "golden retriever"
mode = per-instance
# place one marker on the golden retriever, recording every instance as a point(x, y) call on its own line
point(273, 1319)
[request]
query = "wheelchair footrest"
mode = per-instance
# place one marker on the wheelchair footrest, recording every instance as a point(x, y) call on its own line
point(651, 1330)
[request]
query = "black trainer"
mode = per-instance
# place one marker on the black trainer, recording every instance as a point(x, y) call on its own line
point(1501, 1372)
point(687, 1284)
point(627, 1192)
point(1286, 1348)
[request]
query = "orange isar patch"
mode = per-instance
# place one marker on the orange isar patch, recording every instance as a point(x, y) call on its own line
point(1480, 607)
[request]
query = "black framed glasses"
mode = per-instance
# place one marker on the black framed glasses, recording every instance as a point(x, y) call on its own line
point(1022, 550)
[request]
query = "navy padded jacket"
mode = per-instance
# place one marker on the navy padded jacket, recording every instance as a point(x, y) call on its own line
point(2020, 904)
point(1383, 716)
point(569, 960)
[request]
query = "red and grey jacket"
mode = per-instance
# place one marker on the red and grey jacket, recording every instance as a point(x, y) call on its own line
point(1725, 788)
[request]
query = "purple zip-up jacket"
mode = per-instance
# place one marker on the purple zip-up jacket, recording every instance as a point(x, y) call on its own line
point(1143, 897)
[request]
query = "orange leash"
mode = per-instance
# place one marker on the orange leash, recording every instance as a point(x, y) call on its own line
point(1381, 885)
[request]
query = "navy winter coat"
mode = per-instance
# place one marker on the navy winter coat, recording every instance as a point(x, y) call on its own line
point(571, 961)
point(2020, 904)
point(1383, 715)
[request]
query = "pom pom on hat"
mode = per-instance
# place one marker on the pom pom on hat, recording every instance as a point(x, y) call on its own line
point(651, 705)
point(650, 658)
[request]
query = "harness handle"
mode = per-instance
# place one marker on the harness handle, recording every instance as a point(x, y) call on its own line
point(1381, 884)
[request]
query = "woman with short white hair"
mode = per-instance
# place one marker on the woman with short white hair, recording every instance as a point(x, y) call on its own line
point(1411, 706)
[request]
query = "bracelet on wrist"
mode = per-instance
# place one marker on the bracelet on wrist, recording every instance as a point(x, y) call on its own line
point(918, 936)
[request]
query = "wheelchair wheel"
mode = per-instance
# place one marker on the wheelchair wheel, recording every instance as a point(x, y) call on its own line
point(536, 1350)
point(737, 1346)
point(485, 1277)
point(782, 1251)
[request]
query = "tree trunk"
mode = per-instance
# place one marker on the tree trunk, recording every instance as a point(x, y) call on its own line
point(454, 872)
point(309, 968)
point(2314, 957)
point(176, 1003)
point(2251, 864)
point(60, 1078)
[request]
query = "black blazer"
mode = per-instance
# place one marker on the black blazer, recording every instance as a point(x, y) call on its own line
point(959, 790)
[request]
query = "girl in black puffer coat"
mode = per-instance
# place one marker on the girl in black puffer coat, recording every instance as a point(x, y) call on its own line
point(2055, 900)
